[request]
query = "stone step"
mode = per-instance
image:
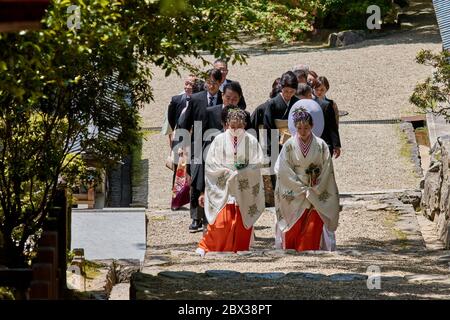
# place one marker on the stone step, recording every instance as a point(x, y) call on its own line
point(429, 234)
point(120, 291)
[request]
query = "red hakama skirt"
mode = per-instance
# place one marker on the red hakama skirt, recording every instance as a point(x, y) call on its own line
point(228, 232)
point(306, 232)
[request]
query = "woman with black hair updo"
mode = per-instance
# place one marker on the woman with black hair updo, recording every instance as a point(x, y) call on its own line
point(234, 196)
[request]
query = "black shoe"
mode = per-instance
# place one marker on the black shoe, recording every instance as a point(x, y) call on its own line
point(195, 226)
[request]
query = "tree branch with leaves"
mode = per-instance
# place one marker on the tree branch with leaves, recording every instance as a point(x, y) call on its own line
point(433, 95)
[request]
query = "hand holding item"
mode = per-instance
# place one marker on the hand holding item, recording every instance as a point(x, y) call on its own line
point(170, 140)
point(337, 152)
point(240, 166)
point(240, 163)
point(201, 200)
point(313, 172)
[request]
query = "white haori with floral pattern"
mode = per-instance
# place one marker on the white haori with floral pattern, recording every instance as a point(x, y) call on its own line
point(223, 181)
point(293, 193)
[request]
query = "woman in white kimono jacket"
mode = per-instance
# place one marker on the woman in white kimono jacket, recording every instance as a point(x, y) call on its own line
point(306, 194)
point(234, 197)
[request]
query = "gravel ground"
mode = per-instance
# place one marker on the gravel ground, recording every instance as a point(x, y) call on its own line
point(364, 238)
point(359, 231)
point(372, 160)
point(371, 80)
point(120, 291)
point(202, 287)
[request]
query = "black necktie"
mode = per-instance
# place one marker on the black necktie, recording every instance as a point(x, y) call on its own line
point(211, 101)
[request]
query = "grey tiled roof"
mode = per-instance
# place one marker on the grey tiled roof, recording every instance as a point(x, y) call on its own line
point(442, 9)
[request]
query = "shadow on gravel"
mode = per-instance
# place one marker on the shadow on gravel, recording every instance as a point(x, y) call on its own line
point(175, 246)
point(199, 286)
point(426, 35)
point(397, 245)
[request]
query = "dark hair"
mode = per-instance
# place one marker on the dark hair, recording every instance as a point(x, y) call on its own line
point(233, 86)
point(199, 85)
point(303, 89)
point(325, 82)
point(301, 73)
point(231, 108)
point(289, 80)
point(318, 84)
point(315, 75)
point(215, 73)
point(276, 88)
point(223, 61)
point(301, 115)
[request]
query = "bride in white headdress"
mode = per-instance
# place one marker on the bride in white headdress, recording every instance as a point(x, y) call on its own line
point(306, 194)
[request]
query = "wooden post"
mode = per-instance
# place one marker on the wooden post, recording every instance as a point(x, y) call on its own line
point(47, 258)
point(42, 287)
point(91, 198)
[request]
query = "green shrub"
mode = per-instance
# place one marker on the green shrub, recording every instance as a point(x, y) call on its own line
point(350, 14)
point(282, 20)
point(6, 294)
point(136, 159)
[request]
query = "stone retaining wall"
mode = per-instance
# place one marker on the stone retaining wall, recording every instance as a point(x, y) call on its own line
point(408, 130)
point(436, 193)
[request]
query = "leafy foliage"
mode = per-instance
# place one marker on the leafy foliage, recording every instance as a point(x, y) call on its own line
point(433, 95)
point(349, 14)
point(6, 294)
point(282, 20)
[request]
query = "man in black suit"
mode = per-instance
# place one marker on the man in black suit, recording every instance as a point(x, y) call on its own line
point(231, 95)
point(278, 108)
point(222, 65)
point(177, 104)
point(195, 121)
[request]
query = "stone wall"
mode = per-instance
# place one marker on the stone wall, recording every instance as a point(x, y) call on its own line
point(435, 200)
point(408, 130)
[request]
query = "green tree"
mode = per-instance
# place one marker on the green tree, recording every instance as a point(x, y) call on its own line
point(433, 95)
point(56, 85)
